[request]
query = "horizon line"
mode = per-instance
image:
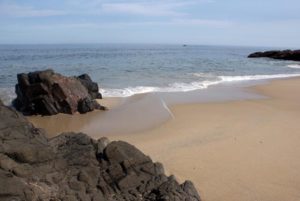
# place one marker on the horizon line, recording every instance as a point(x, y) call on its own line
point(145, 43)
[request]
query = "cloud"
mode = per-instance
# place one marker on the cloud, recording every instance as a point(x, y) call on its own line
point(150, 8)
point(144, 8)
point(204, 22)
point(15, 10)
point(117, 25)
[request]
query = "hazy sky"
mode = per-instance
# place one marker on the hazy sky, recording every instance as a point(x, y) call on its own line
point(215, 22)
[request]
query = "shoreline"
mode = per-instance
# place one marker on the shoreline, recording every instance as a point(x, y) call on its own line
point(237, 150)
point(147, 110)
point(7, 94)
point(179, 87)
point(232, 150)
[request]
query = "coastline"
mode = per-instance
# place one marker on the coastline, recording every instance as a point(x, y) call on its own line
point(232, 150)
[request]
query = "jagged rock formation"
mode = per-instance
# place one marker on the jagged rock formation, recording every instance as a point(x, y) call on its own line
point(91, 86)
point(284, 55)
point(74, 167)
point(49, 93)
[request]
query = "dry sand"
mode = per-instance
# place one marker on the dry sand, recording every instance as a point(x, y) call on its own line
point(233, 151)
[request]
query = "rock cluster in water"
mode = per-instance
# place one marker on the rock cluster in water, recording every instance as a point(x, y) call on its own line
point(74, 167)
point(49, 93)
point(293, 55)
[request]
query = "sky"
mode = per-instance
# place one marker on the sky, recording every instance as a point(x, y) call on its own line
point(270, 23)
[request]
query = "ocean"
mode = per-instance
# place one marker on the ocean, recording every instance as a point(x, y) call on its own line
point(127, 69)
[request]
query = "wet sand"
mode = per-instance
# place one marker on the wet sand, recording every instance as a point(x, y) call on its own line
point(138, 113)
point(243, 150)
point(124, 116)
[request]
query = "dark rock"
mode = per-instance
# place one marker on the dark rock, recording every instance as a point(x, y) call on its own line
point(293, 55)
point(171, 190)
point(49, 93)
point(91, 86)
point(120, 152)
point(87, 105)
point(72, 166)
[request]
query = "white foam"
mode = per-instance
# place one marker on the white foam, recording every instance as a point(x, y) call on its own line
point(184, 87)
point(255, 77)
point(204, 75)
point(294, 66)
point(129, 91)
point(7, 95)
point(175, 87)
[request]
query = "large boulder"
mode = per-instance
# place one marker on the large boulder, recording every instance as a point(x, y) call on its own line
point(293, 55)
point(72, 167)
point(49, 93)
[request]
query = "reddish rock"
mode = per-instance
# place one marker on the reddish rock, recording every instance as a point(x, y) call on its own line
point(49, 93)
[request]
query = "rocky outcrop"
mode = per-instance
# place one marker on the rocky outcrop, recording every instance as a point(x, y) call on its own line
point(74, 167)
point(91, 86)
point(49, 93)
point(293, 55)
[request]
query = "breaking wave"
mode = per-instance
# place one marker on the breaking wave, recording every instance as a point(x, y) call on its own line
point(293, 65)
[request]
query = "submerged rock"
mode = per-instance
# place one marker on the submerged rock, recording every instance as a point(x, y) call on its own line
point(293, 55)
point(72, 167)
point(49, 93)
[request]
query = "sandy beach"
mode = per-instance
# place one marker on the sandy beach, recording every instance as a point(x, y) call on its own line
point(243, 150)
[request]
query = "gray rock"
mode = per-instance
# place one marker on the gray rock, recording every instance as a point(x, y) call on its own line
point(72, 166)
point(102, 144)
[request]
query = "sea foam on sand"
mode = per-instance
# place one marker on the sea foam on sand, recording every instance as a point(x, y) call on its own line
point(184, 87)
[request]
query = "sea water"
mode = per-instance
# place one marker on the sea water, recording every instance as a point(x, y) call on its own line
point(128, 69)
